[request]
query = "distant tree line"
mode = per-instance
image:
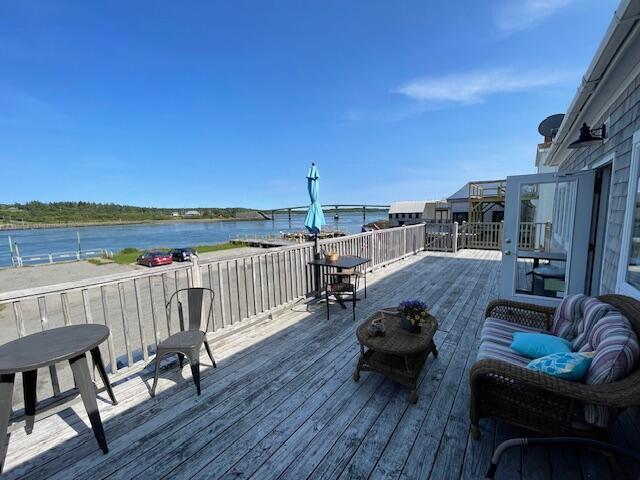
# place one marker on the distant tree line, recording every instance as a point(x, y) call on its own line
point(64, 212)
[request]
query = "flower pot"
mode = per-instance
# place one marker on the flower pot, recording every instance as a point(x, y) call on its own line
point(408, 326)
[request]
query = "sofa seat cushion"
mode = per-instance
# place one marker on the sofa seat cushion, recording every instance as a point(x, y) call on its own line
point(496, 338)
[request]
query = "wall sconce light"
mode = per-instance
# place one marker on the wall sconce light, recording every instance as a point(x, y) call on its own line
point(589, 136)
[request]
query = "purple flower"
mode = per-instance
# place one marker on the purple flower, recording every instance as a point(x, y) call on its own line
point(415, 311)
point(413, 305)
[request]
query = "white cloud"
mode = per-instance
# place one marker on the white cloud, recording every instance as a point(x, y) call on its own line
point(474, 87)
point(516, 15)
point(351, 115)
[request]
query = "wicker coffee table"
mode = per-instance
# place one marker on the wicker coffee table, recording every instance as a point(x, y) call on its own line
point(399, 355)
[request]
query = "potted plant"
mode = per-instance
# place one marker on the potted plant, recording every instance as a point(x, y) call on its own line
point(413, 314)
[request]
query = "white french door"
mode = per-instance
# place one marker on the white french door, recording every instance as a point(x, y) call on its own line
point(546, 236)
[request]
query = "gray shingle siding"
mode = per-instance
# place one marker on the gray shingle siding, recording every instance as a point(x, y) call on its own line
point(624, 117)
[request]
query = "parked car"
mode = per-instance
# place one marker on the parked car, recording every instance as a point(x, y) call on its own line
point(182, 254)
point(155, 259)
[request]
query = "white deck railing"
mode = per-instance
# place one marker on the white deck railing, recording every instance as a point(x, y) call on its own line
point(132, 304)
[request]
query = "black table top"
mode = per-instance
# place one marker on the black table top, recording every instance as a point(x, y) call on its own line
point(51, 346)
point(343, 261)
point(560, 256)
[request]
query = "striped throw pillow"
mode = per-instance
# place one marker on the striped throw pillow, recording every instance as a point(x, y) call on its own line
point(617, 350)
point(568, 315)
point(592, 311)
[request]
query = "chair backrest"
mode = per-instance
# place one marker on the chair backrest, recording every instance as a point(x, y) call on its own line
point(199, 309)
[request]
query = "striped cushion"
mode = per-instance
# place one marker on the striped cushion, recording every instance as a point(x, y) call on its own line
point(496, 338)
point(501, 331)
point(617, 350)
point(592, 311)
point(568, 316)
point(498, 351)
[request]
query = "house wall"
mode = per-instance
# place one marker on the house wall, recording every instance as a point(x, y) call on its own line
point(624, 120)
point(460, 206)
point(397, 219)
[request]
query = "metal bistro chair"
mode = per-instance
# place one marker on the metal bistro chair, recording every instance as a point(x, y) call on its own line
point(188, 342)
point(340, 284)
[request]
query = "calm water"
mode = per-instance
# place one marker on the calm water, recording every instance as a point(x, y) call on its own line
point(182, 234)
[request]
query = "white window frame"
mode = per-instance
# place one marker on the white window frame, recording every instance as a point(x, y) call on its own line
point(622, 285)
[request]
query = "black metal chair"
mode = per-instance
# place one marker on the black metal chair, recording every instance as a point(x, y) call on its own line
point(188, 342)
point(341, 284)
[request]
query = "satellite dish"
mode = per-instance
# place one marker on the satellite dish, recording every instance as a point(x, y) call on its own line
point(550, 125)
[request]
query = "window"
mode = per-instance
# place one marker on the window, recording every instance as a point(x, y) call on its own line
point(629, 268)
point(460, 217)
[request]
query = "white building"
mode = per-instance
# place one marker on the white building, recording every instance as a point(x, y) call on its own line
point(411, 212)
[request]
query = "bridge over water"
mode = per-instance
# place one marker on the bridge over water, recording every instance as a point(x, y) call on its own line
point(269, 214)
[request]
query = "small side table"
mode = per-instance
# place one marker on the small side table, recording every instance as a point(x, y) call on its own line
point(26, 354)
point(399, 355)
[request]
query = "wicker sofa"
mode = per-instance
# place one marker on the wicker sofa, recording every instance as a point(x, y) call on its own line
point(509, 392)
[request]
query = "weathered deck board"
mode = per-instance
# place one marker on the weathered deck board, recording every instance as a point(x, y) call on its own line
point(282, 402)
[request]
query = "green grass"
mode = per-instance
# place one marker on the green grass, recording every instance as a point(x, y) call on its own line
point(130, 255)
point(99, 261)
point(216, 247)
point(127, 255)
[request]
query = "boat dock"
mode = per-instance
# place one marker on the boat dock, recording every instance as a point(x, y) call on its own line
point(283, 239)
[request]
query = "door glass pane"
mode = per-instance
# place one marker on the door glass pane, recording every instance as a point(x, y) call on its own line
point(633, 263)
point(545, 228)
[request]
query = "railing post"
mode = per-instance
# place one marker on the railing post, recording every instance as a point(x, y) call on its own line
point(196, 273)
point(454, 239)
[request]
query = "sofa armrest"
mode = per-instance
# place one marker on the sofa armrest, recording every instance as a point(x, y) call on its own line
point(618, 394)
point(527, 314)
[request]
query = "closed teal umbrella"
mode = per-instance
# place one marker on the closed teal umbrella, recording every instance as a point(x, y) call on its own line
point(315, 216)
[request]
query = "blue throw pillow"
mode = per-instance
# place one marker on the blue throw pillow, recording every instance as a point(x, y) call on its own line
point(570, 366)
point(536, 345)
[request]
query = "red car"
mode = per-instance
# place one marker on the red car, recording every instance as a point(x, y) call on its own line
point(155, 259)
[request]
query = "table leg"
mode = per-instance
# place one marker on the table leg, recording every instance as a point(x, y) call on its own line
point(6, 394)
point(316, 279)
point(29, 383)
point(365, 282)
point(434, 350)
point(413, 394)
point(82, 377)
point(97, 361)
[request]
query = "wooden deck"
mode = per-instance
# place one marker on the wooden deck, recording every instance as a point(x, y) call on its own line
point(283, 404)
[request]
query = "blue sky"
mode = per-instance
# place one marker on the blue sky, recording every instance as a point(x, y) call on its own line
point(218, 103)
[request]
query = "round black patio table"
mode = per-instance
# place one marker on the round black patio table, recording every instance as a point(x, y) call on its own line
point(25, 355)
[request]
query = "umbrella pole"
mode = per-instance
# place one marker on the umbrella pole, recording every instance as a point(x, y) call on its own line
point(316, 268)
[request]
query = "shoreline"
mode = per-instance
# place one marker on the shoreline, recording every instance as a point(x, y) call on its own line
point(41, 226)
